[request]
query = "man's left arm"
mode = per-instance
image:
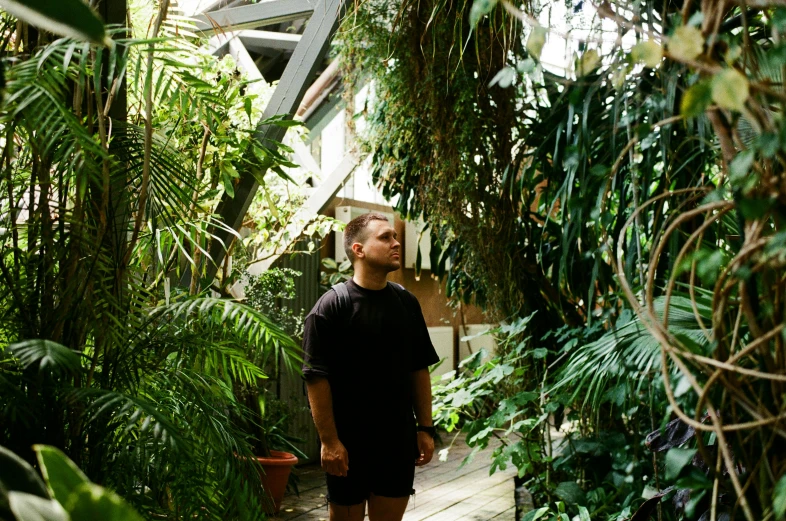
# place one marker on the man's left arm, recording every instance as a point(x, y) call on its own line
point(421, 392)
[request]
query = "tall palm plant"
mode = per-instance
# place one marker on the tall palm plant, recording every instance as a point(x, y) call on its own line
point(100, 353)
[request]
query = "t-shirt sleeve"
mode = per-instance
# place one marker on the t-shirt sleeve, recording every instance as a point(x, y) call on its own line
point(316, 342)
point(424, 354)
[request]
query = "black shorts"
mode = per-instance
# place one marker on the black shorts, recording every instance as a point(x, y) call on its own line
point(388, 477)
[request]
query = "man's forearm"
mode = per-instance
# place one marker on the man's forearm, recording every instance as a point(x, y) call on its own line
point(321, 400)
point(421, 392)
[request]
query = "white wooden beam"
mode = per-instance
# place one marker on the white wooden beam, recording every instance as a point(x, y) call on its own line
point(244, 60)
point(255, 40)
point(306, 161)
point(255, 15)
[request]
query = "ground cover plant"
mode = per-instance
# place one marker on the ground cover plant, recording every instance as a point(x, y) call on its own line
point(630, 197)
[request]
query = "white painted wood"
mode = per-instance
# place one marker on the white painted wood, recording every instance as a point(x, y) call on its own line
point(251, 16)
point(243, 59)
point(306, 161)
point(411, 245)
point(476, 340)
point(442, 339)
point(269, 40)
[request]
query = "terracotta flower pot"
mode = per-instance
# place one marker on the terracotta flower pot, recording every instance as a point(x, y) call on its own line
point(277, 468)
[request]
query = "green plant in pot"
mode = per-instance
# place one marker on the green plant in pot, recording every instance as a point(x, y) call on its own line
point(268, 421)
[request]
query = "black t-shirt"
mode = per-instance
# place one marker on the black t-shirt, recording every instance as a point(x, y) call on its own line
point(368, 357)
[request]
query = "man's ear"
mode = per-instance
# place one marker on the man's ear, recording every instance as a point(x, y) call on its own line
point(357, 249)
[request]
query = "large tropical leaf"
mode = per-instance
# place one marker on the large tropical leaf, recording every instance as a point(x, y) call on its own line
point(263, 336)
point(628, 352)
point(71, 18)
point(48, 355)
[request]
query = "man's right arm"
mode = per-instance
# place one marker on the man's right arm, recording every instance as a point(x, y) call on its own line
point(335, 459)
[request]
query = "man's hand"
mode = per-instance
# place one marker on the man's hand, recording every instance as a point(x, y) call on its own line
point(335, 458)
point(426, 448)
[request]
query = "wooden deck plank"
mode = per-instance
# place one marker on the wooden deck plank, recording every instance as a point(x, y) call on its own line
point(491, 510)
point(445, 491)
point(457, 496)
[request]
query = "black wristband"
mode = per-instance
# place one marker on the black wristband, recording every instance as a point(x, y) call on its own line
point(428, 429)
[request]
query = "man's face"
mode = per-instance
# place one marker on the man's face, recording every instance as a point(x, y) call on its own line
point(381, 248)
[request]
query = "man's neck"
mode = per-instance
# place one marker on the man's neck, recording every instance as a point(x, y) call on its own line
point(369, 279)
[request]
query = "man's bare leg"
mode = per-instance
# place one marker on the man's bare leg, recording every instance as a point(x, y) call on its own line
point(382, 508)
point(347, 513)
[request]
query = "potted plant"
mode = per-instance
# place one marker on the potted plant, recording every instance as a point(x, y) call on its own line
point(268, 426)
point(273, 445)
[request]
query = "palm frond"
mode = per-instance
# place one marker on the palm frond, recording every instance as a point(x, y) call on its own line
point(49, 356)
point(262, 335)
point(627, 352)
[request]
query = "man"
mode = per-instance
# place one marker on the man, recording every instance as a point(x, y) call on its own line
point(366, 369)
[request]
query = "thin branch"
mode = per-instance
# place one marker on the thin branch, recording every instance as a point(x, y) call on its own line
point(143, 193)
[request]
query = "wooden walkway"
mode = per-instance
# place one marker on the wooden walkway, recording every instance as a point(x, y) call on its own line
point(444, 491)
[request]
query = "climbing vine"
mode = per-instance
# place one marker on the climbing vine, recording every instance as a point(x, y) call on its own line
point(640, 177)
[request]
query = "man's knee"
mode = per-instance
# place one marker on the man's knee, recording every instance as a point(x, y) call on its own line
point(381, 508)
point(347, 512)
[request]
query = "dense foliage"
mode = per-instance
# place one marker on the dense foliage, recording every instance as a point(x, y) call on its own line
point(112, 161)
point(641, 178)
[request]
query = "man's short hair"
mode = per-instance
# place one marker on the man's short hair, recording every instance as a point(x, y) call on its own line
point(356, 231)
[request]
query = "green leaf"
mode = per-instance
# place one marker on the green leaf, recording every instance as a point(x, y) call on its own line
point(649, 53)
point(461, 397)
point(693, 503)
point(740, 166)
point(708, 265)
point(588, 62)
point(534, 515)
point(696, 19)
point(62, 476)
point(584, 514)
point(247, 106)
point(676, 460)
point(230, 169)
point(618, 77)
point(283, 175)
point(48, 354)
point(686, 44)
point(696, 99)
point(229, 186)
point(730, 89)
point(17, 475)
point(779, 498)
point(754, 208)
point(695, 480)
point(91, 501)
point(571, 493)
point(72, 18)
point(769, 144)
point(536, 41)
point(504, 78)
point(540, 352)
point(480, 8)
point(526, 66)
point(27, 507)
point(779, 19)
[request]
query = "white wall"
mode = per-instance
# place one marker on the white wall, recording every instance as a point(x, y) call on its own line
point(474, 344)
point(442, 338)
